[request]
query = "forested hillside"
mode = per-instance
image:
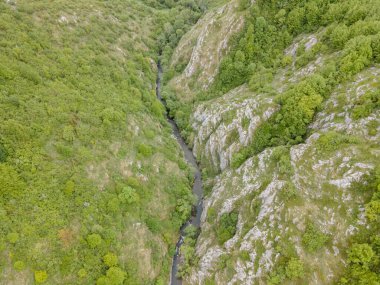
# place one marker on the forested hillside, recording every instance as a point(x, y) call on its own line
point(93, 188)
point(279, 100)
point(283, 115)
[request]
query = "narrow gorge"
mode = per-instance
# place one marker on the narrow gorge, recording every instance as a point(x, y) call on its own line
point(197, 188)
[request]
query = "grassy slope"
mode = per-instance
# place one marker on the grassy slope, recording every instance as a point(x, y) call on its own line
point(84, 146)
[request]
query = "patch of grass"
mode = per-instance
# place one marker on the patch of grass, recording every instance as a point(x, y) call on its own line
point(232, 137)
point(332, 141)
point(372, 127)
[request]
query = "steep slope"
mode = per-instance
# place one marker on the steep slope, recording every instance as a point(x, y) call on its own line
point(93, 187)
point(288, 136)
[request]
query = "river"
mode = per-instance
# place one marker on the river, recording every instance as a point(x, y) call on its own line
point(194, 220)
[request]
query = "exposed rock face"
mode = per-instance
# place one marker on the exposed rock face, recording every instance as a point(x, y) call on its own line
point(204, 46)
point(323, 182)
point(226, 124)
point(274, 206)
point(337, 113)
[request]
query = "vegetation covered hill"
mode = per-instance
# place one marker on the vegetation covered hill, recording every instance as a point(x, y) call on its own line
point(287, 131)
point(93, 188)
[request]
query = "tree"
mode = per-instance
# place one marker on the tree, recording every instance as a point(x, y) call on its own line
point(312, 14)
point(339, 36)
point(361, 254)
point(110, 259)
point(295, 20)
point(372, 210)
point(128, 195)
point(115, 275)
point(357, 55)
point(227, 226)
point(94, 240)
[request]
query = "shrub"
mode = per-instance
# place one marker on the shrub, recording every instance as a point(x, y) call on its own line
point(372, 210)
point(40, 276)
point(113, 205)
point(281, 155)
point(286, 60)
point(296, 19)
point(288, 192)
point(339, 36)
point(294, 269)
point(366, 105)
point(226, 227)
point(94, 240)
point(313, 239)
point(128, 195)
point(19, 265)
point(82, 273)
point(332, 141)
point(237, 159)
point(115, 275)
point(144, 150)
point(375, 44)
point(357, 54)
point(13, 237)
point(69, 188)
point(360, 254)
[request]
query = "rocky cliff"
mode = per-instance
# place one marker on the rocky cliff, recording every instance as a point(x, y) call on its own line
point(284, 195)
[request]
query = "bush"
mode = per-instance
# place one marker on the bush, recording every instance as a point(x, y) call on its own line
point(110, 259)
point(82, 273)
point(40, 276)
point(357, 55)
point(339, 36)
point(226, 227)
point(19, 265)
point(94, 240)
point(375, 44)
point(115, 275)
point(332, 141)
point(144, 150)
point(128, 195)
point(237, 159)
point(13, 237)
point(294, 269)
point(373, 210)
point(69, 188)
point(360, 254)
point(313, 239)
point(366, 104)
point(296, 20)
